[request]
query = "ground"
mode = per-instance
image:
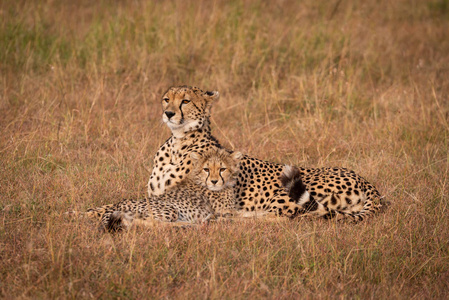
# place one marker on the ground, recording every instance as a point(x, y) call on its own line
point(362, 85)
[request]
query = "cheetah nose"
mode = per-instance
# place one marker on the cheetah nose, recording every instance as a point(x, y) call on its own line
point(169, 114)
point(214, 181)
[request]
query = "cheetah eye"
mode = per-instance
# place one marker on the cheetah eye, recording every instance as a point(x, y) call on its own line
point(222, 170)
point(166, 100)
point(185, 101)
point(206, 170)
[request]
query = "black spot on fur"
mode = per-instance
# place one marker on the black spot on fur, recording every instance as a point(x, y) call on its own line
point(330, 215)
point(311, 205)
point(333, 199)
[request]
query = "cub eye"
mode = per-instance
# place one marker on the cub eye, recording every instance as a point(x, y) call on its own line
point(222, 169)
point(206, 170)
point(185, 101)
point(166, 100)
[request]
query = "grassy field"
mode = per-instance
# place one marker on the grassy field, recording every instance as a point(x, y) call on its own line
point(359, 84)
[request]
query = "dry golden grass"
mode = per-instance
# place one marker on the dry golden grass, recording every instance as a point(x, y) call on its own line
point(360, 84)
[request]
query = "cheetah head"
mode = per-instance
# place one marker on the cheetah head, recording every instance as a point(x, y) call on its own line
point(186, 108)
point(216, 169)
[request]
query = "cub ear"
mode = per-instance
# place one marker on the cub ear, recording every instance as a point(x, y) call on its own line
point(195, 156)
point(212, 95)
point(236, 155)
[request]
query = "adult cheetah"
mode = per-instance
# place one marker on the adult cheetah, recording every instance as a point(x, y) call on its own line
point(186, 112)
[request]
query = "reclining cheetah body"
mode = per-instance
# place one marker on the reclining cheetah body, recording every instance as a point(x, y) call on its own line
point(343, 193)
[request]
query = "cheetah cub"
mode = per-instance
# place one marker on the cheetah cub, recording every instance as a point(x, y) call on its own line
point(207, 192)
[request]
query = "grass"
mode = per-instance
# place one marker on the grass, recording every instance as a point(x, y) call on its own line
point(362, 85)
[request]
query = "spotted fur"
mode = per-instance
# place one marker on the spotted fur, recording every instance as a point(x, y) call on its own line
point(207, 192)
point(329, 192)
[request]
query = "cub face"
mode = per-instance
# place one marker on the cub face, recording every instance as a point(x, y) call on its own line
point(186, 108)
point(215, 170)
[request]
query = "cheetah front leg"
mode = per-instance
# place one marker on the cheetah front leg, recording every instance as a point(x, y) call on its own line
point(161, 163)
point(168, 175)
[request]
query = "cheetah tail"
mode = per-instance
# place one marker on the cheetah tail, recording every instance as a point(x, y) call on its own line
point(119, 221)
point(292, 182)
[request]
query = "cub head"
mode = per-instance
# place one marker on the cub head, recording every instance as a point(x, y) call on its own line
point(186, 108)
point(216, 169)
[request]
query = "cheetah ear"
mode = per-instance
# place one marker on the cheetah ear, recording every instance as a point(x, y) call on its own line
point(236, 155)
point(212, 95)
point(195, 156)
